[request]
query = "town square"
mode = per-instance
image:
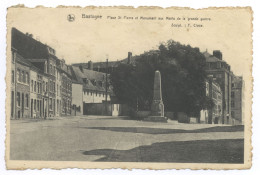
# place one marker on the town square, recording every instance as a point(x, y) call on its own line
point(113, 139)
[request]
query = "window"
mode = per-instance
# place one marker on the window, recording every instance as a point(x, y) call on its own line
point(38, 87)
point(91, 93)
point(27, 78)
point(18, 98)
point(26, 100)
point(31, 85)
point(50, 69)
point(53, 107)
point(38, 105)
point(34, 86)
point(232, 104)
point(46, 86)
point(43, 86)
point(232, 114)
point(45, 67)
point(50, 104)
point(232, 85)
point(57, 89)
point(23, 77)
point(50, 86)
point(34, 105)
point(12, 76)
point(18, 75)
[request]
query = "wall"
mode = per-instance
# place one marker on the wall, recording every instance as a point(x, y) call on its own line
point(90, 96)
point(77, 96)
point(97, 109)
point(183, 117)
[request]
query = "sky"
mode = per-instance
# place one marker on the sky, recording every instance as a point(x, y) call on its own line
point(89, 39)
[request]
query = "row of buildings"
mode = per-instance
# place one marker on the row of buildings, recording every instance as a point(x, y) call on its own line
point(42, 85)
point(226, 91)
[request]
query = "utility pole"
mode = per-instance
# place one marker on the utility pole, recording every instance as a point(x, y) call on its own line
point(106, 87)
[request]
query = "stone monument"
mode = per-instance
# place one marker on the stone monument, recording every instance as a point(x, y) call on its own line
point(157, 108)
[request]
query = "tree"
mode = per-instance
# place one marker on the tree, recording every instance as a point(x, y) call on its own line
point(183, 79)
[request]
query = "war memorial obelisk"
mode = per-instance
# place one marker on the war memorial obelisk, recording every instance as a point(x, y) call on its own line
point(157, 108)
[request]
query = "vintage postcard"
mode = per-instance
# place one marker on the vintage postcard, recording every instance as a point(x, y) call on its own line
point(123, 87)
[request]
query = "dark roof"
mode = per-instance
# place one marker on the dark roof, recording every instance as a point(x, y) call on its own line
point(211, 58)
point(28, 47)
point(90, 76)
point(26, 62)
point(103, 64)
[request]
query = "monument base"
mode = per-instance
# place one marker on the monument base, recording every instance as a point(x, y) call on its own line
point(156, 119)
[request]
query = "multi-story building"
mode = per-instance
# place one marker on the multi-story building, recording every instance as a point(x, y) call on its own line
point(237, 102)
point(220, 70)
point(94, 85)
point(22, 88)
point(41, 56)
point(13, 84)
point(214, 92)
point(37, 95)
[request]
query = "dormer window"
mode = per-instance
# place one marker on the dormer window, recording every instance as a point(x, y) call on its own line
point(94, 82)
point(51, 51)
point(85, 80)
point(100, 83)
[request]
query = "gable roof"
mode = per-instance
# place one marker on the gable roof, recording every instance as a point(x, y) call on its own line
point(28, 47)
point(90, 76)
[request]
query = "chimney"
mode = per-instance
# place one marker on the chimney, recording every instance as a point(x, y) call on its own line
point(197, 49)
point(217, 54)
point(81, 68)
point(129, 57)
point(29, 34)
point(90, 65)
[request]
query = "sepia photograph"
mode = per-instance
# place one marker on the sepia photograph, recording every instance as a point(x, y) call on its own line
point(121, 87)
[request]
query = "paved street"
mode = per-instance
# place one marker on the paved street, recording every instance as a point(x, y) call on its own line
point(100, 138)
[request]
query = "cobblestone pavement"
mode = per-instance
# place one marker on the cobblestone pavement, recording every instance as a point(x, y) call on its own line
point(103, 138)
